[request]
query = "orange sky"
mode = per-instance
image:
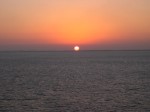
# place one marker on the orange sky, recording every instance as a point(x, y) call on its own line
point(61, 24)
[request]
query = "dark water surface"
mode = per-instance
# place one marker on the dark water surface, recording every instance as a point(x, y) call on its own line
point(91, 81)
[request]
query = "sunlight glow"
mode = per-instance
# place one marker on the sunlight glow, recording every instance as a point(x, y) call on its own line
point(76, 48)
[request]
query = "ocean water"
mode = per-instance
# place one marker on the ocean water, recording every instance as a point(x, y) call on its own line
point(85, 81)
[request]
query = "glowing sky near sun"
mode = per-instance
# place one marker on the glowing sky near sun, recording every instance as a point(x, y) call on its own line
point(59, 24)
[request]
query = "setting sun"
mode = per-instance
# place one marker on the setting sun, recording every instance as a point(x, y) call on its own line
point(76, 48)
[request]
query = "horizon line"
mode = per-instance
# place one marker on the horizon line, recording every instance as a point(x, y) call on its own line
point(72, 50)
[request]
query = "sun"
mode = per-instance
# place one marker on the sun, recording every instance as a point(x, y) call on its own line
point(76, 48)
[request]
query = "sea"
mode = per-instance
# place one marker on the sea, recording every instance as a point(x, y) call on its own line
point(68, 81)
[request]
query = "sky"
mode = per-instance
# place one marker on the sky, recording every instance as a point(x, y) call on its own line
point(62, 24)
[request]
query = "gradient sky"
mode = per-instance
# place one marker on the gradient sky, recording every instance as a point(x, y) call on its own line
point(61, 24)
